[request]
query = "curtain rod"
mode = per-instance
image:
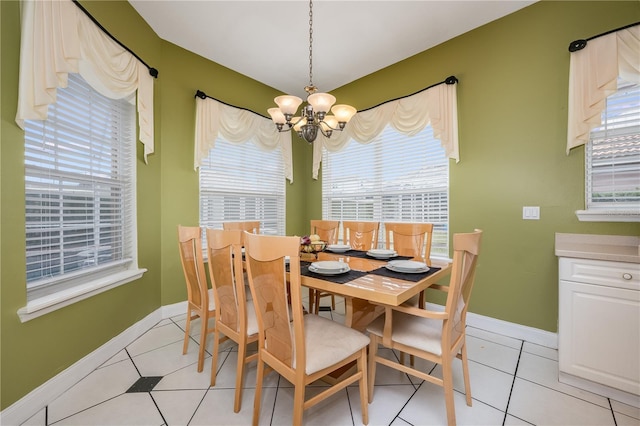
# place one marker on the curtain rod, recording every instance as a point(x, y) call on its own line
point(449, 80)
point(576, 45)
point(200, 94)
point(152, 71)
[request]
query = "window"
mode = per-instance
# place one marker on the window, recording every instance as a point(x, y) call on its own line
point(395, 178)
point(80, 195)
point(241, 182)
point(613, 156)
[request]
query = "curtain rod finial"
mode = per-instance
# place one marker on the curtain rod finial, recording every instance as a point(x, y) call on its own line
point(153, 72)
point(200, 94)
point(576, 45)
point(451, 80)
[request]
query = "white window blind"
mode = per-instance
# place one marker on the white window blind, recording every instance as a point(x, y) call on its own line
point(613, 154)
point(395, 178)
point(80, 190)
point(242, 182)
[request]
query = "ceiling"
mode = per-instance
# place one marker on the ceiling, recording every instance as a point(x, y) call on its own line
point(269, 40)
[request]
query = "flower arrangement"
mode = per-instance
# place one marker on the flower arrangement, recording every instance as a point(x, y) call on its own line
point(311, 244)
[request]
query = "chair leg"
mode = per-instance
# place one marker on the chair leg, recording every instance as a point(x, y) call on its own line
point(298, 403)
point(203, 342)
point(364, 388)
point(242, 352)
point(214, 358)
point(333, 302)
point(316, 306)
point(447, 379)
point(312, 298)
point(373, 349)
point(258, 395)
point(465, 373)
point(185, 346)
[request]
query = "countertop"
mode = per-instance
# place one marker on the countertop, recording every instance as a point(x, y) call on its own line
point(616, 248)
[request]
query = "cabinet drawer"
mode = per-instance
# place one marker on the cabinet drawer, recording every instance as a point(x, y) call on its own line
point(600, 272)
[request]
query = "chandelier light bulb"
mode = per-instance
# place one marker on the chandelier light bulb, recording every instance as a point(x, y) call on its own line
point(288, 104)
point(321, 102)
point(343, 113)
point(277, 116)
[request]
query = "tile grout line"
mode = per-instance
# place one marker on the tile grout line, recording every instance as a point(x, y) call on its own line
point(515, 373)
point(613, 414)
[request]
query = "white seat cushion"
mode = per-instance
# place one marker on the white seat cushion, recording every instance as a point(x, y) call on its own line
point(328, 342)
point(421, 333)
point(252, 321)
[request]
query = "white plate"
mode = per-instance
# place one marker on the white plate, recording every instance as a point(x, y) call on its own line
point(382, 253)
point(338, 248)
point(409, 266)
point(329, 267)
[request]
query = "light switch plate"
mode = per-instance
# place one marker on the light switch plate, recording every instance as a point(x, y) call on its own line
point(531, 212)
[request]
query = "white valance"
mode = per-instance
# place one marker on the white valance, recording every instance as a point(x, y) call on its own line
point(436, 106)
point(58, 39)
point(593, 75)
point(237, 125)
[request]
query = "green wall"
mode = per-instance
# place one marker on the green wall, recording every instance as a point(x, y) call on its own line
point(512, 113)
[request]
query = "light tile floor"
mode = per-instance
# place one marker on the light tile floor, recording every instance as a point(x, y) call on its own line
point(513, 382)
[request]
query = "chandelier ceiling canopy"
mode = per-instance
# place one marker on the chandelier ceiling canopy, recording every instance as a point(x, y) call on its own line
point(314, 116)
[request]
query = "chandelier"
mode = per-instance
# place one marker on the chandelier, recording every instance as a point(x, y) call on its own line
point(314, 116)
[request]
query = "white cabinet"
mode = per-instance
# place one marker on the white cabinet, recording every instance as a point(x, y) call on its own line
point(599, 323)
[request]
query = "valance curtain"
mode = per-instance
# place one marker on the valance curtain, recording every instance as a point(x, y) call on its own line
point(436, 105)
point(593, 75)
point(58, 39)
point(237, 125)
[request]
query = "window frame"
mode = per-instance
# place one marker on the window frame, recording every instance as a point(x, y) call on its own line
point(608, 212)
point(378, 210)
point(48, 294)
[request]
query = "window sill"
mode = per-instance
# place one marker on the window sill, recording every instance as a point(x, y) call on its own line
point(607, 216)
point(47, 304)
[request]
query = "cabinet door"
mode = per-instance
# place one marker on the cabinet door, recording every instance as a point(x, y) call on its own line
point(599, 334)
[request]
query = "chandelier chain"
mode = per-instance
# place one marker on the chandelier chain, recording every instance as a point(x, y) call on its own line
point(310, 43)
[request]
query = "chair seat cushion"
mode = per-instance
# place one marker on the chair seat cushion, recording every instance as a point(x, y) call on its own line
point(421, 333)
point(328, 342)
point(212, 301)
point(252, 321)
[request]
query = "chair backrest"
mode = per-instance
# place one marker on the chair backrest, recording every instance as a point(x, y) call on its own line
point(252, 226)
point(409, 239)
point(224, 250)
point(466, 248)
point(360, 235)
point(327, 230)
point(266, 269)
point(190, 245)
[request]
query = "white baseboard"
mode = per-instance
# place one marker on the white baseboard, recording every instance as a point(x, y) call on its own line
point(23, 409)
point(176, 309)
point(509, 329)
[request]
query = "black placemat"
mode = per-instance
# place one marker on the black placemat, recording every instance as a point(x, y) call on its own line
point(363, 254)
point(338, 279)
point(402, 276)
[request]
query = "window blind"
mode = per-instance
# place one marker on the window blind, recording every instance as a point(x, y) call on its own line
point(613, 156)
point(242, 182)
point(79, 187)
point(395, 178)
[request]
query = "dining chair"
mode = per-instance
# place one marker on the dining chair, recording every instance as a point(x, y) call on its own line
point(200, 299)
point(328, 231)
point(252, 226)
point(301, 348)
point(410, 239)
point(235, 315)
point(360, 235)
point(435, 336)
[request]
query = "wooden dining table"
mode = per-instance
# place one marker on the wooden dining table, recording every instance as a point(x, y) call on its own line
point(366, 295)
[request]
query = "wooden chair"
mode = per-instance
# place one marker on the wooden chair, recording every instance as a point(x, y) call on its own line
point(235, 315)
point(200, 299)
point(301, 348)
point(360, 235)
point(435, 336)
point(252, 226)
point(410, 239)
point(328, 231)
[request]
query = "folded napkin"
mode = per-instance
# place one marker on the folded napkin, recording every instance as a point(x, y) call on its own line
point(404, 276)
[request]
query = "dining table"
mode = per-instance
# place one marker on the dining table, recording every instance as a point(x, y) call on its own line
point(369, 284)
